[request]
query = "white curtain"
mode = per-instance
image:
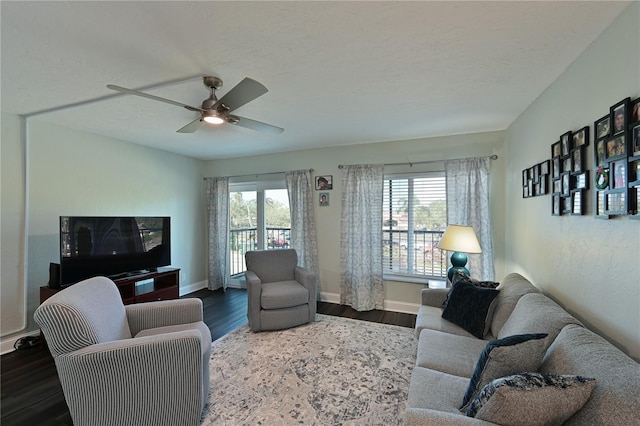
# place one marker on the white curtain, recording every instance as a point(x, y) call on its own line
point(218, 229)
point(361, 237)
point(303, 225)
point(468, 204)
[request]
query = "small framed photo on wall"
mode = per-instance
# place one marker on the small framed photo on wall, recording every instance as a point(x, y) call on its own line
point(616, 147)
point(619, 113)
point(635, 135)
point(565, 142)
point(324, 183)
point(602, 127)
point(581, 137)
point(323, 199)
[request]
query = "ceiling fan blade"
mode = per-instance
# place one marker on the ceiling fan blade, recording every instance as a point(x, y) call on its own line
point(244, 92)
point(153, 97)
point(257, 125)
point(191, 127)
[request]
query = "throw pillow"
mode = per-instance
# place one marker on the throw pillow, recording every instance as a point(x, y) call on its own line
point(531, 399)
point(502, 357)
point(461, 276)
point(469, 307)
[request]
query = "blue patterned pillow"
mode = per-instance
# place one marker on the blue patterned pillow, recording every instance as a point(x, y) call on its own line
point(501, 357)
point(540, 399)
point(469, 307)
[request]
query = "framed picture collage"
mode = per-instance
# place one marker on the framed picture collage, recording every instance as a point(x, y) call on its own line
point(617, 161)
point(616, 172)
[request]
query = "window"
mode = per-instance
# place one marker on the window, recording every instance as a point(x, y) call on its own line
point(259, 218)
point(414, 219)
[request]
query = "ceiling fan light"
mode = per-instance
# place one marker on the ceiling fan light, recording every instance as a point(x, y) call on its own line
point(212, 118)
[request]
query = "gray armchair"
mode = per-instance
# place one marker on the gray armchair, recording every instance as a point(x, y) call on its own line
point(142, 364)
point(280, 293)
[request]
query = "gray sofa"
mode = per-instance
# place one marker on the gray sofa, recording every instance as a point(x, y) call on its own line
point(447, 356)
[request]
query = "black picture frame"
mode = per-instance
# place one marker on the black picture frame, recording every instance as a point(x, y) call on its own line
point(634, 115)
point(567, 204)
point(581, 137)
point(635, 140)
point(618, 174)
point(619, 117)
point(602, 127)
point(324, 183)
point(576, 159)
point(600, 152)
point(557, 186)
point(577, 202)
point(615, 203)
point(566, 187)
point(616, 147)
point(565, 143)
point(555, 205)
point(544, 167)
point(582, 180)
point(556, 150)
point(555, 168)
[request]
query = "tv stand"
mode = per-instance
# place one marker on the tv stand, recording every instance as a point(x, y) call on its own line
point(147, 286)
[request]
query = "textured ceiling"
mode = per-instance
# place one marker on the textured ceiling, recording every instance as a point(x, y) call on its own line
point(337, 72)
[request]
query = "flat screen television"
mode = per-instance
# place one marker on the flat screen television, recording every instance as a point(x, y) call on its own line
point(113, 246)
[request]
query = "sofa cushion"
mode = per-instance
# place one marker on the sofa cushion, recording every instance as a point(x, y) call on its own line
point(536, 313)
point(502, 357)
point(434, 390)
point(430, 318)
point(531, 399)
point(449, 353)
point(616, 397)
point(470, 307)
point(512, 288)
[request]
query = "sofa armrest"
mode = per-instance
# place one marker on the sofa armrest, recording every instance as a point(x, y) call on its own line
point(146, 374)
point(142, 316)
point(425, 416)
point(434, 296)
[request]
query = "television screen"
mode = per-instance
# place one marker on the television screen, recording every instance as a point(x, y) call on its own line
point(91, 246)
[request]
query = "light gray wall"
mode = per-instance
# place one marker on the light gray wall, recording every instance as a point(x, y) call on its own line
point(76, 173)
point(590, 266)
point(398, 295)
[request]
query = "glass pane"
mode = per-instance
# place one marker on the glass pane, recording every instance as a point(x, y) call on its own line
point(277, 218)
point(243, 231)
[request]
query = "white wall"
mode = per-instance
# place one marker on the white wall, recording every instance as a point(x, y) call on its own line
point(398, 296)
point(590, 266)
point(77, 173)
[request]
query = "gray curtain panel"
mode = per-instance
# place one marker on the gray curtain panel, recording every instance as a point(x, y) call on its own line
point(303, 225)
point(218, 228)
point(468, 204)
point(361, 237)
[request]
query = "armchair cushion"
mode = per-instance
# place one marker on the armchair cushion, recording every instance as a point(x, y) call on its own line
point(272, 265)
point(283, 294)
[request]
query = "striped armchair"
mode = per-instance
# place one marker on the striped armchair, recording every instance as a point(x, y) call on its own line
point(142, 364)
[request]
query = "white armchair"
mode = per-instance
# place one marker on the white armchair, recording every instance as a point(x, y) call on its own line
point(142, 364)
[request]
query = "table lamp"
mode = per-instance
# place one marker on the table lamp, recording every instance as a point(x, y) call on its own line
point(460, 239)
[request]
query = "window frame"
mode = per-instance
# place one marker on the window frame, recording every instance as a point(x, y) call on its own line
point(404, 275)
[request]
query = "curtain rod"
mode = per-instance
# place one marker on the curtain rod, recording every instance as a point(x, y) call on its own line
point(493, 157)
point(257, 174)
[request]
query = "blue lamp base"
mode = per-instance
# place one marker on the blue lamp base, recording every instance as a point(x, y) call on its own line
point(458, 262)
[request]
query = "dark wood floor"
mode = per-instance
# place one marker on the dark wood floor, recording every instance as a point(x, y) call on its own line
point(31, 391)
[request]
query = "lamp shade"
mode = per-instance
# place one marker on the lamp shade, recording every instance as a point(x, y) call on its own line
point(460, 238)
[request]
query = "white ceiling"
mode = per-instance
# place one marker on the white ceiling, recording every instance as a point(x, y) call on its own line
point(337, 72)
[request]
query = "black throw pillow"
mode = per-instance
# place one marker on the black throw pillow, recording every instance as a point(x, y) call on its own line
point(469, 307)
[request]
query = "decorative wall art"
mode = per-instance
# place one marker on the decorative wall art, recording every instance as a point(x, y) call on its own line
point(570, 179)
point(535, 180)
point(616, 160)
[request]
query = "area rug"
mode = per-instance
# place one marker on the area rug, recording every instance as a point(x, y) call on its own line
point(335, 371)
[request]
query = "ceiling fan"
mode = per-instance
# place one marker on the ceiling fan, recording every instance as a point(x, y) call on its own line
point(217, 111)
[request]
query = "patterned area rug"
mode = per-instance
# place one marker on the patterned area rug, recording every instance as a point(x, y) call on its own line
point(335, 371)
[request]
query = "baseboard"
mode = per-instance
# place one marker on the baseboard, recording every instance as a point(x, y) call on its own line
point(192, 287)
point(389, 305)
point(6, 343)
